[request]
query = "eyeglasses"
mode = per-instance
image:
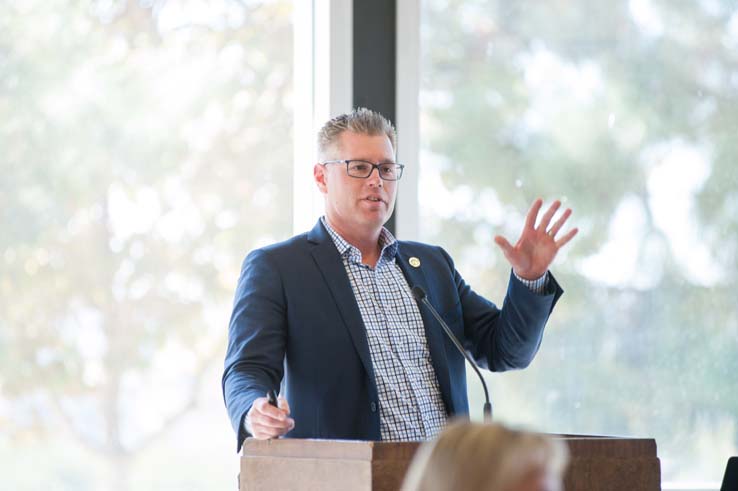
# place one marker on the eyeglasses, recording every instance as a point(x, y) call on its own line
point(361, 169)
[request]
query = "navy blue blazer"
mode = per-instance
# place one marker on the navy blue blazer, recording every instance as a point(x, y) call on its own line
point(295, 316)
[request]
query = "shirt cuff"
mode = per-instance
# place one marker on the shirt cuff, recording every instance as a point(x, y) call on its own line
point(536, 286)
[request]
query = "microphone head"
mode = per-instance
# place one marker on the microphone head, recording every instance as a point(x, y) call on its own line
point(418, 293)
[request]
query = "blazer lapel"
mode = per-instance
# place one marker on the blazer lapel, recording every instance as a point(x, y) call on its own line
point(433, 332)
point(334, 274)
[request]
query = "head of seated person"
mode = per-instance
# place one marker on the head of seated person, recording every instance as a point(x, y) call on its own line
point(487, 457)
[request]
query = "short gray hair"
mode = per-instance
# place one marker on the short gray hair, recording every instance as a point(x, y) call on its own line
point(361, 120)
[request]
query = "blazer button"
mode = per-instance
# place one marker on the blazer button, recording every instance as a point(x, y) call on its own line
point(374, 407)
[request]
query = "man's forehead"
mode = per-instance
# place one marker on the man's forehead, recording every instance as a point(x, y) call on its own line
point(350, 141)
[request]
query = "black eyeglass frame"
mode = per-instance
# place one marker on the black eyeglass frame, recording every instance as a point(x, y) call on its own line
point(378, 166)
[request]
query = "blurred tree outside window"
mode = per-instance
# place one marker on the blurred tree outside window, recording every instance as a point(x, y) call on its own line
point(145, 147)
point(626, 111)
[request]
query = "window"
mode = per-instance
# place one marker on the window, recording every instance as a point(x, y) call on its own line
point(620, 109)
point(145, 148)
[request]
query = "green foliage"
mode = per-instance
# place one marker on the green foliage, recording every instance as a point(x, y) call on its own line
point(585, 101)
point(140, 161)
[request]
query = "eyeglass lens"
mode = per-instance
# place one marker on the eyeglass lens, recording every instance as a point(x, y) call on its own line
point(387, 170)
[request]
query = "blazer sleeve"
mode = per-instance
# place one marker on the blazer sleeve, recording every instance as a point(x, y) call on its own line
point(506, 338)
point(257, 335)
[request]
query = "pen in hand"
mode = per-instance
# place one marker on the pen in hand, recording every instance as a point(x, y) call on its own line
point(272, 397)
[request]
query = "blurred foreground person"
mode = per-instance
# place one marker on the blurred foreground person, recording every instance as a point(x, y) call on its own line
point(487, 457)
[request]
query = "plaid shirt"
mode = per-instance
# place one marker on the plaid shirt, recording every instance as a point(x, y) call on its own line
point(410, 403)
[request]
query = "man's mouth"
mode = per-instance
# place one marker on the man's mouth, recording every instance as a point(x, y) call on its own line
point(374, 199)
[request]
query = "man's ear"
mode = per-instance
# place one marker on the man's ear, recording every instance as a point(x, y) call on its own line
point(319, 176)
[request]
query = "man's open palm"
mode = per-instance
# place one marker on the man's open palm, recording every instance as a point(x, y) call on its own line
point(536, 248)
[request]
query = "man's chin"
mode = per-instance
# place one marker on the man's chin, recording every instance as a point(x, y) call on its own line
point(374, 218)
point(380, 219)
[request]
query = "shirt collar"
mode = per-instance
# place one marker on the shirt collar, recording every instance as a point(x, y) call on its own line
point(386, 240)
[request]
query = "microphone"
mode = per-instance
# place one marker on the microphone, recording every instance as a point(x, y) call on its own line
point(421, 297)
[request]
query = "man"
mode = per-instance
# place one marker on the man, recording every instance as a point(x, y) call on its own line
point(331, 310)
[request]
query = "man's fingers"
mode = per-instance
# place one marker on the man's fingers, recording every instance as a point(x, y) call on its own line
point(262, 433)
point(283, 404)
point(267, 421)
point(262, 406)
point(503, 244)
point(530, 219)
point(263, 426)
point(546, 219)
point(566, 238)
point(269, 427)
point(261, 419)
point(559, 223)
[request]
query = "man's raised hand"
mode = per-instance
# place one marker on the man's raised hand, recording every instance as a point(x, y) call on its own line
point(536, 248)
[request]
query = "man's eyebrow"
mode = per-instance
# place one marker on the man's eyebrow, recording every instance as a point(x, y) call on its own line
point(383, 161)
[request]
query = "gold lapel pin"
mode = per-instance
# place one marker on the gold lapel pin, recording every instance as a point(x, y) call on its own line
point(414, 262)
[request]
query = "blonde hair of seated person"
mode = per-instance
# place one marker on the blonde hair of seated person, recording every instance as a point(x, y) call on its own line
point(487, 457)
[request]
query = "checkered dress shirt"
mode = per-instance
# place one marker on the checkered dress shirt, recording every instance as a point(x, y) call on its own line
point(410, 404)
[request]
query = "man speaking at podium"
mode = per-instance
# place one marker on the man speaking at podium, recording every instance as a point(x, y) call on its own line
point(331, 310)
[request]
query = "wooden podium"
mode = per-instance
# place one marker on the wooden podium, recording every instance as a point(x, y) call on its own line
point(596, 464)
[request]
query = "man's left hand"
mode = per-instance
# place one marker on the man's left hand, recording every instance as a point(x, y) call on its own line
point(536, 248)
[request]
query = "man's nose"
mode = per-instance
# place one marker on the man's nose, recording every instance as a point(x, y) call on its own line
point(374, 178)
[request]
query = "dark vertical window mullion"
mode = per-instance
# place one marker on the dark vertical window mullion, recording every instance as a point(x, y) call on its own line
point(374, 32)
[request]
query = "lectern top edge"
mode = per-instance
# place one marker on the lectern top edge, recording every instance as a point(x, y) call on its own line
point(339, 449)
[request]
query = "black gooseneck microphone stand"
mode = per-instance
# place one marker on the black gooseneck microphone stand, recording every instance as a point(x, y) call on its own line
point(421, 297)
